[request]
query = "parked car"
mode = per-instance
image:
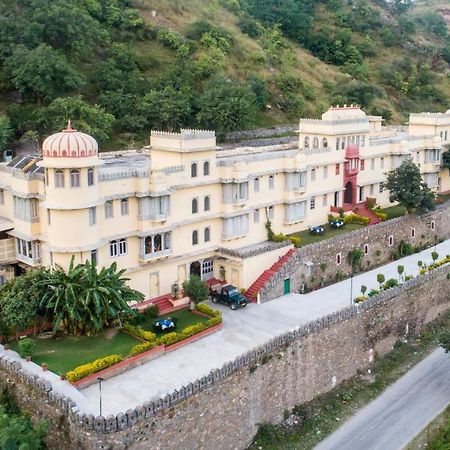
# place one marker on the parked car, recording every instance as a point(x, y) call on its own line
point(227, 294)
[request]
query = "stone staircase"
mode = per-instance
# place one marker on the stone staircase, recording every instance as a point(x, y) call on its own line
point(253, 290)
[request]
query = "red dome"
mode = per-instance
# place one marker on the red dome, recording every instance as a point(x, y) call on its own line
point(69, 143)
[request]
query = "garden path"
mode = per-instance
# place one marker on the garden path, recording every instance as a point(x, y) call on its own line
point(243, 330)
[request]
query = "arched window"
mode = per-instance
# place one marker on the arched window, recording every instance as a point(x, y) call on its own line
point(316, 142)
point(366, 249)
point(195, 237)
point(338, 143)
point(306, 145)
point(148, 245)
point(413, 233)
point(271, 182)
point(59, 178)
point(194, 206)
point(338, 259)
point(193, 170)
point(206, 168)
point(391, 241)
point(206, 203)
point(207, 234)
point(157, 243)
point(324, 142)
point(74, 178)
point(90, 176)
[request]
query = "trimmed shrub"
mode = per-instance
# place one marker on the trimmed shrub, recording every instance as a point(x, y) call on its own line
point(26, 347)
point(169, 338)
point(371, 202)
point(405, 248)
point(206, 309)
point(392, 282)
point(93, 367)
point(280, 237)
point(356, 218)
point(373, 292)
point(381, 215)
point(151, 312)
point(295, 240)
point(139, 332)
point(141, 348)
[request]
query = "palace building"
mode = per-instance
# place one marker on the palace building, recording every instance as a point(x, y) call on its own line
point(185, 206)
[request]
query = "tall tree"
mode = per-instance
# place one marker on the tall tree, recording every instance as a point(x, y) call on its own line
point(83, 300)
point(91, 119)
point(41, 73)
point(6, 131)
point(405, 186)
point(226, 105)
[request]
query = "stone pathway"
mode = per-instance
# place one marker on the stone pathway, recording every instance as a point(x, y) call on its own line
point(243, 330)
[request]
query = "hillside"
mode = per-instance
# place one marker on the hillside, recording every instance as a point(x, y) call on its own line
point(118, 68)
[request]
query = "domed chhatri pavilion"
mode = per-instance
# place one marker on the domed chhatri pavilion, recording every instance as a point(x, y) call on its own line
point(182, 206)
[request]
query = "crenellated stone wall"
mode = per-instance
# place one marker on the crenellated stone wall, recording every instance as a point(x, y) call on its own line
point(304, 267)
point(223, 409)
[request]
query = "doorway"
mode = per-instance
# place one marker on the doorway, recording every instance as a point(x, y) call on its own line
point(287, 286)
point(195, 269)
point(348, 193)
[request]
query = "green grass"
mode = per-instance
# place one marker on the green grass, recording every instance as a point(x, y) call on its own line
point(394, 211)
point(66, 353)
point(317, 418)
point(308, 238)
point(185, 318)
point(443, 198)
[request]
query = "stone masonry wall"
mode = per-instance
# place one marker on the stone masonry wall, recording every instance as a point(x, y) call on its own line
point(301, 272)
point(223, 410)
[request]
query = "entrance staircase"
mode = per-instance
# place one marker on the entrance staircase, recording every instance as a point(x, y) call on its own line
point(362, 210)
point(253, 290)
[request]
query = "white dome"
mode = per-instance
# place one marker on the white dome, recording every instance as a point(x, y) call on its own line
point(69, 143)
point(344, 113)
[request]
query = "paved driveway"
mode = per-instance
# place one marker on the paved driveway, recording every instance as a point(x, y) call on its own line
point(243, 330)
point(392, 420)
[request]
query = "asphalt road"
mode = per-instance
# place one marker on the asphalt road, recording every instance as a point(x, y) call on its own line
point(393, 419)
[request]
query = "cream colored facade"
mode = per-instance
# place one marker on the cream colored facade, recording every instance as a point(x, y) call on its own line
point(183, 205)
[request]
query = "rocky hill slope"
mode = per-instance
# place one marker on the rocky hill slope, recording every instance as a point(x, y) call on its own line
point(118, 68)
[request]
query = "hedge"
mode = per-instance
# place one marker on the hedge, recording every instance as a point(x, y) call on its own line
point(140, 333)
point(381, 215)
point(206, 309)
point(356, 218)
point(93, 367)
point(141, 348)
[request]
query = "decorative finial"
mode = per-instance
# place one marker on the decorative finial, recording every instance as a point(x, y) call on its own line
point(69, 126)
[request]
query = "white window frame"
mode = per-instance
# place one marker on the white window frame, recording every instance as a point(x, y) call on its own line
point(74, 176)
point(109, 209)
point(92, 214)
point(124, 207)
point(90, 177)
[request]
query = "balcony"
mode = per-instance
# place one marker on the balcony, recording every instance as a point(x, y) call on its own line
point(144, 257)
point(29, 260)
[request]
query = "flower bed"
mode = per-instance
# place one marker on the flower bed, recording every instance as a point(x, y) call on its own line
point(151, 346)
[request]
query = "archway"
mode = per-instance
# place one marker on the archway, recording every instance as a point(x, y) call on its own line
point(348, 193)
point(196, 269)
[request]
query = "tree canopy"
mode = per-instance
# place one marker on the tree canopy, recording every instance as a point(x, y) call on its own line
point(406, 186)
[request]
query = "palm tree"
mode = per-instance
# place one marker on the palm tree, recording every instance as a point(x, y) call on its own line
point(83, 300)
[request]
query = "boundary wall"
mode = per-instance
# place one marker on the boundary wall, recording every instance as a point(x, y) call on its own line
point(256, 387)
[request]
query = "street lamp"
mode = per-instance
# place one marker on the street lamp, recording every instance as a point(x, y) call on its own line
point(351, 289)
point(100, 379)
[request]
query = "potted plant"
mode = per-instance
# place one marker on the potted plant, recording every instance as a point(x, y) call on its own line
point(44, 367)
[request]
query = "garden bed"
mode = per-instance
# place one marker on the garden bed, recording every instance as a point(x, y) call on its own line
point(62, 354)
point(308, 238)
point(185, 318)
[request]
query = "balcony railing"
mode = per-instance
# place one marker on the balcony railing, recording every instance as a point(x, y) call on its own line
point(155, 255)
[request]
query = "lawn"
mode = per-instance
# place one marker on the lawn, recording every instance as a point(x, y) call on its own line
point(308, 238)
point(66, 353)
point(394, 211)
point(443, 198)
point(185, 318)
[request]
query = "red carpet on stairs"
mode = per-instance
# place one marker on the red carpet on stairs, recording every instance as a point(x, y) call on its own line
point(253, 290)
point(362, 210)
